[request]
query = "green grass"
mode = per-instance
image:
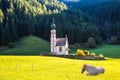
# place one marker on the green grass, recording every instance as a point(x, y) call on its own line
point(52, 68)
point(112, 51)
point(30, 45)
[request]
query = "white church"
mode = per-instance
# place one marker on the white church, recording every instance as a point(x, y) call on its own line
point(59, 46)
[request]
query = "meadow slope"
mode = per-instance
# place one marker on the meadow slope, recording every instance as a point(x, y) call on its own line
point(53, 68)
point(29, 45)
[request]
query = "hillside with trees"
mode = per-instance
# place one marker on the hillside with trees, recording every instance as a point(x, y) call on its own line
point(107, 18)
point(20, 18)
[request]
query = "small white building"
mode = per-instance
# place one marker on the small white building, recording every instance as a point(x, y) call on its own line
point(59, 46)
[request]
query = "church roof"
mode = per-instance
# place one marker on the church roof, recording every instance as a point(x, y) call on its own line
point(60, 41)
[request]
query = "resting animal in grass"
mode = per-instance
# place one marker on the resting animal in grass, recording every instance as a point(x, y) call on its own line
point(92, 70)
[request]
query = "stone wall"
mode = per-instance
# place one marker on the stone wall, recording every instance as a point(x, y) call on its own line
point(87, 57)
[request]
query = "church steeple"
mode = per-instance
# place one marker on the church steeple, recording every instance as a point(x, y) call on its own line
point(59, 46)
point(53, 26)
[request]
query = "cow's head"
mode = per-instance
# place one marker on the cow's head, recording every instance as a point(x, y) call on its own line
point(83, 68)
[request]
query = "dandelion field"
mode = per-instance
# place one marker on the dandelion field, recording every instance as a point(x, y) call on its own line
point(54, 68)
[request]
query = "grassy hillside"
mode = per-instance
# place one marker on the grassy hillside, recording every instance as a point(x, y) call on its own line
point(52, 68)
point(112, 51)
point(30, 45)
point(108, 50)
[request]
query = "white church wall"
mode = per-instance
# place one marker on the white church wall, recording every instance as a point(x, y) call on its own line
point(66, 49)
point(58, 52)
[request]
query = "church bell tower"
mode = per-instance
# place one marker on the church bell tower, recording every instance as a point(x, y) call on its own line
point(53, 38)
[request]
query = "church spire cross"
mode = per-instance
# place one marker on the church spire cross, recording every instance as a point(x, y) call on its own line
point(53, 26)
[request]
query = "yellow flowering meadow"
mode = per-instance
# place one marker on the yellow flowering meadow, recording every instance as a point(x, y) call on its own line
point(54, 68)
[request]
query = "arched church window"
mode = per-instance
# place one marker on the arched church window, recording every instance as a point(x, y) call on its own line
point(60, 49)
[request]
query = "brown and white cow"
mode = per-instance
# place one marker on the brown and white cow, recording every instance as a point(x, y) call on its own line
point(92, 70)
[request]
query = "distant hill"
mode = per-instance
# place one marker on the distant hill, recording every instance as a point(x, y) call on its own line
point(70, 0)
point(84, 3)
point(29, 45)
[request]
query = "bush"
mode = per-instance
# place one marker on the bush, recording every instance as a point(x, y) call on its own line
point(11, 45)
point(101, 55)
point(80, 52)
point(114, 40)
point(91, 43)
point(86, 52)
point(93, 54)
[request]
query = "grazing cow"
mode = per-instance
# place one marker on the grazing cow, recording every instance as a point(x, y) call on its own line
point(92, 70)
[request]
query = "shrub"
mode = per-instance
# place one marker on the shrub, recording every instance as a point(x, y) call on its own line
point(80, 52)
point(93, 54)
point(91, 43)
point(115, 39)
point(11, 45)
point(86, 52)
point(101, 55)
